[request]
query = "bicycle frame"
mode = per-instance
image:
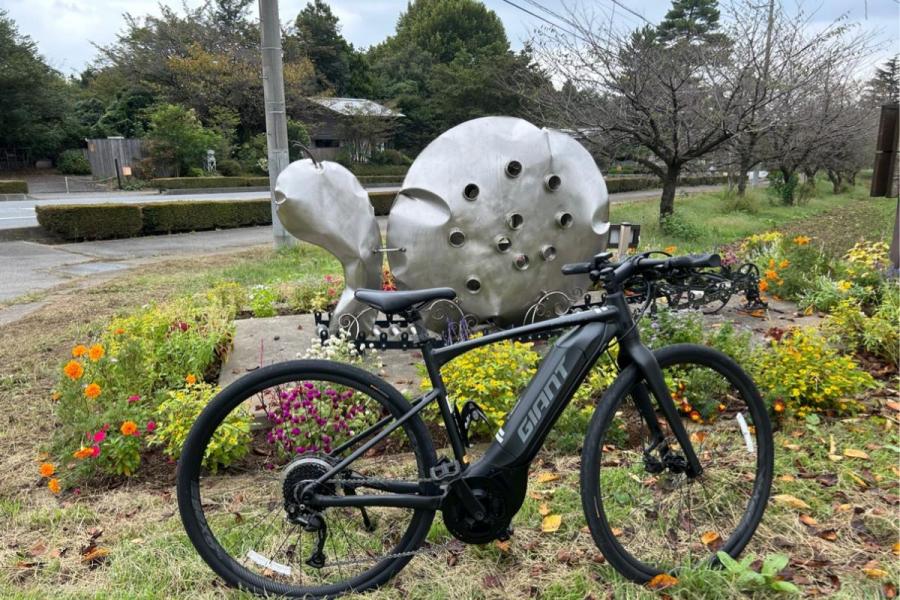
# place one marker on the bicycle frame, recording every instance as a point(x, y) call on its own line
point(520, 438)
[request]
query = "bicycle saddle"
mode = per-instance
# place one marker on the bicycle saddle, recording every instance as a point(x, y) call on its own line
point(393, 302)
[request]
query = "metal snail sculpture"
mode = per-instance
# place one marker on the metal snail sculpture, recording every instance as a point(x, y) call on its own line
point(491, 208)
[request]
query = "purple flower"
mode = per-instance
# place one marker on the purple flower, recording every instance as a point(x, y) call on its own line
point(295, 431)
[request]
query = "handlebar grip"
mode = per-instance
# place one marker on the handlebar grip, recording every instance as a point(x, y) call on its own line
point(577, 268)
point(696, 261)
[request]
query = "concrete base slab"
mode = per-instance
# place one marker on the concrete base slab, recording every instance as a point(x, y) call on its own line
point(262, 342)
point(19, 311)
point(206, 242)
point(92, 268)
point(27, 267)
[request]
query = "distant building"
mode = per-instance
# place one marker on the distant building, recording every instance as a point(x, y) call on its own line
point(352, 126)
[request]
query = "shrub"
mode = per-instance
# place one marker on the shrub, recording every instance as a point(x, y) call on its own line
point(13, 186)
point(73, 162)
point(390, 157)
point(807, 375)
point(176, 136)
point(865, 263)
point(175, 183)
point(313, 293)
point(199, 215)
point(782, 188)
point(492, 376)
point(370, 169)
point(382, 202)
point(849, 327)
point(228, 167)
point(90, 222)
point(176, 416)
point(677, 226)
point(734, 202)
point(262, 301)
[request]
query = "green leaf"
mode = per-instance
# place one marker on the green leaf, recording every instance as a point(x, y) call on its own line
point(785, 586)
point(729, 563)
point(774, 563)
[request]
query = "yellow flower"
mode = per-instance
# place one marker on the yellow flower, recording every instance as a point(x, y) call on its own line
point(73, 370)
point(92, 390)
point(190, 379)
point(79, 350)
point(96, 352)
point(46, 469)
point(53, 484)
point(844, 285)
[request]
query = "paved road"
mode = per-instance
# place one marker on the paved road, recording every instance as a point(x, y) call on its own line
point(18, 214)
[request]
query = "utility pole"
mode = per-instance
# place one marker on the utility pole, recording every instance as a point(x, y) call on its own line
point(276, 118)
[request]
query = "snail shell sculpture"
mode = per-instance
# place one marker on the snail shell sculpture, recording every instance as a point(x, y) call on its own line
point(492, 208)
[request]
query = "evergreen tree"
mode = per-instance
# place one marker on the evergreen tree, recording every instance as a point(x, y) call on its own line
point(690, 20)
point(318, 36)
point(884, 87)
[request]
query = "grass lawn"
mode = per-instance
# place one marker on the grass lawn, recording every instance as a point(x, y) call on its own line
point(844, 546)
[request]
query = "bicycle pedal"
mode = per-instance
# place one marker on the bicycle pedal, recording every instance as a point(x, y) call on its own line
point(445, 470)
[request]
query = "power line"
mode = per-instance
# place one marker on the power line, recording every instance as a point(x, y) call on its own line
point(550, 23)
point(628, 10)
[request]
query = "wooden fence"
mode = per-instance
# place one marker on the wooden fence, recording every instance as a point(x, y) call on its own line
point(103, 152)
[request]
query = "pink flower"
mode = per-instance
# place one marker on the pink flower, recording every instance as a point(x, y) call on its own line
point(100, 436)
point(95, 451)
point(151, 426)
point(133, 399)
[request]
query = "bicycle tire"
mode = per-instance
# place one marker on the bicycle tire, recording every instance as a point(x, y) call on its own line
point(190, 467)
point(602, 532)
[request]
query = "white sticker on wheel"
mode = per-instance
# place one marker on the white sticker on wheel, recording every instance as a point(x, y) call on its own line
point(268, 563)
point(748, 439)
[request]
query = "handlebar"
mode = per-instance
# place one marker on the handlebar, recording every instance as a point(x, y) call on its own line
point(600, 269)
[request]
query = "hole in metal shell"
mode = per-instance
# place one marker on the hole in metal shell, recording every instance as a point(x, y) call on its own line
point(552, 182)
point(513, 168)
point(470, 191)
point(521, 261)
point(548, 252)
point(473, 284)
point(457, 238)
point(564, 219)
point(503, 244)
point(514, 220)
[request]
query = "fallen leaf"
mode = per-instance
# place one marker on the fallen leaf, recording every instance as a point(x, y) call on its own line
point(787, 478)
point(698, 437)
point(896, 548)
point(566, 557)
point(844, 507)
point(808, 520)
point(551, 523)
point(854, 453)
point(709, 537)
point(890, 590)
point(791, 501)
point(875, 573)
point(617, 532)
point(38, 549)
point(835, 457)
point(95, 555)
point(828, 534)
point(832, 447)
point(794, 447)
point(547, 477)
point(662, 581)
point(502, 545)
point(893, 405)
point(544, 509)
point(491, 581)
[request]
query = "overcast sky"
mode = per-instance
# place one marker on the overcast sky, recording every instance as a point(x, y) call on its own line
point(65, 29)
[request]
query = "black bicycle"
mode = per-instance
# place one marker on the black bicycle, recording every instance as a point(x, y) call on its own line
point(676, 464)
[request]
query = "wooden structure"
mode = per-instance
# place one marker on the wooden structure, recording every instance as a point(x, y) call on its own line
point(103, 153)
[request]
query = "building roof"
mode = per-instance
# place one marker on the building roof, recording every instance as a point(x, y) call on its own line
point(356, 106)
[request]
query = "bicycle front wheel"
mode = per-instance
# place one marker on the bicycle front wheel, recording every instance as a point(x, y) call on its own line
point(268, 436)
point(644, 513)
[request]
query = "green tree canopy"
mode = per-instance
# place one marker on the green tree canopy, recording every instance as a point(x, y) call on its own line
point(690, 19)
point(177, 137)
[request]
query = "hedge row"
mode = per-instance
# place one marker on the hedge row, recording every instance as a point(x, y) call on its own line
point(13, 186)
point(193, 183)
point(106, 221)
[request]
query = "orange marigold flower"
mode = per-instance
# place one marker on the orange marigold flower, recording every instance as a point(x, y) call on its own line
point(79, 350)
point(128, 428)
point(784, 264)
point(46, 469)
point(96, 352)
point(801, 240)
point(695, 416)
point(670, 249)
point(73, 370)
point(83, 452)
point(770, 274)
point(763, 286)
point(92, 390)
point(54, 486)
point(119, 331)
point(191, 379)
point(778, 406)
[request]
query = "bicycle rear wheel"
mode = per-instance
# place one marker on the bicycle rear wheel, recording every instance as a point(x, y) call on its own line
point(266, 437)
point(645, 515)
